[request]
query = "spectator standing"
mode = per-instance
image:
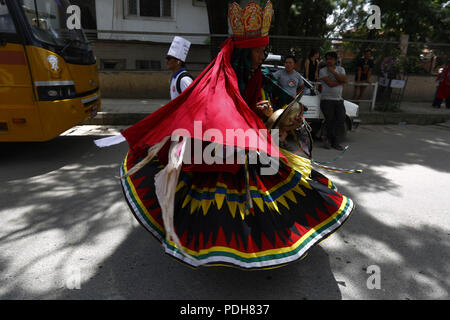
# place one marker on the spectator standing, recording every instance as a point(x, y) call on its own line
point(322, 64)
point(176, 62)
point(312, 66)
point(363, 73)
point(333, 78)
point(443, 91)
point(289, 79)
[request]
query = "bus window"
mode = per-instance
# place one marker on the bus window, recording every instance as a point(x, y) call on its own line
point(6, 22)
point(47, 19)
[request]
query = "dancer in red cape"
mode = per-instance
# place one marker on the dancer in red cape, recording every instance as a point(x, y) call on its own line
point(213, 99)
point(443, 92)
point(235, 214)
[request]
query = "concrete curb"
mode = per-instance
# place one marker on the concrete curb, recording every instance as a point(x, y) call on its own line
point(128, 119)
point(115, 119)
point(404, 118)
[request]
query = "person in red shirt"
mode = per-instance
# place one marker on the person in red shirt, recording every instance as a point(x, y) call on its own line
point(444, 88)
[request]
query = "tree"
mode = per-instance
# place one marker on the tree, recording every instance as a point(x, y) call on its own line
point(218, 22)
point(280, 21)
point(300, 18)
point(422, 20)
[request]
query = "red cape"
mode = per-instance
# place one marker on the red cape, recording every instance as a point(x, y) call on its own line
point(215, 100)
point(444, 84)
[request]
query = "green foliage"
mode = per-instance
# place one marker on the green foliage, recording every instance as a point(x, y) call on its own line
point(302, 17)
point(422, 20)
point(350, 15)
point(308, 18)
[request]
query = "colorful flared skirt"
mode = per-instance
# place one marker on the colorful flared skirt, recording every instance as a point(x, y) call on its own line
point(291, 212)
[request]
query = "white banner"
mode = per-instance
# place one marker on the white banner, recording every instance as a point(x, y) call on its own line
point(398, 84)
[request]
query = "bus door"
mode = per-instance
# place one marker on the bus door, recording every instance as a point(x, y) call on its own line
point(19, 112)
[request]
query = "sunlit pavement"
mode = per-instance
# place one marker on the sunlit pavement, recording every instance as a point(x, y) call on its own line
point(67, 233)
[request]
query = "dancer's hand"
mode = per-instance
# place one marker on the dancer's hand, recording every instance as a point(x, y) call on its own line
point(294, 123)
point(283, 135)
point(265, 108)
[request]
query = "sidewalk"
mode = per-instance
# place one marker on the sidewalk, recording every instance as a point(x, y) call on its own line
point(125, 112)
point(419, 113)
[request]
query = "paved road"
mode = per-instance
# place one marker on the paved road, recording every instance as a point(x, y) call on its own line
point(64, 219)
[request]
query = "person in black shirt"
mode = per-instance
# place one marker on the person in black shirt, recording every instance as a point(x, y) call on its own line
point(312, 66)
point(363, 74)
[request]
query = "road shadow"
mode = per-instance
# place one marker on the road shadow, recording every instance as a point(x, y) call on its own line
point(413, 259)
point(140, 270)
point(22, 160)
point(80, 198)
point(70, 187)
point(63, 182)
point(374, 147)
point(55, 198)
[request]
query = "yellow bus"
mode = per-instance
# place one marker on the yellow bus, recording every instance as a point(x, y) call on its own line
point(48, 72)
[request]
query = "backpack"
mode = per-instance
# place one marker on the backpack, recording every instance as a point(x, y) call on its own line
point(182, 75)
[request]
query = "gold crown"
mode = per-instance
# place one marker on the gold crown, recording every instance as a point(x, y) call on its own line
point(252, 21)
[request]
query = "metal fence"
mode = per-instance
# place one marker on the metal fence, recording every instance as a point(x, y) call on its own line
point(421, 58)
point(391, 61)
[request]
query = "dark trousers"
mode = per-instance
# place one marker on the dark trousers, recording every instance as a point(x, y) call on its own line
point(437, 103)
point(334, 113)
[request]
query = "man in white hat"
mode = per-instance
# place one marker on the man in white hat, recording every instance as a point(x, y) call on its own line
point(175, 62)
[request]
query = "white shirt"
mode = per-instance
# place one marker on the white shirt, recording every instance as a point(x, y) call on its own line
point(185, 82)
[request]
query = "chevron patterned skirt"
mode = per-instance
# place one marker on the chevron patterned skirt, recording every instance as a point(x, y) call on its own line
point(290, 212)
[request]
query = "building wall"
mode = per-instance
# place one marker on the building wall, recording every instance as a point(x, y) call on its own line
point(418, 88)
point(136, 85)
point(188, 17)
point(130, 52)
point(155, 85)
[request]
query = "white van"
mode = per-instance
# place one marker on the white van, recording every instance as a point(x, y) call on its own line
point(314, 115)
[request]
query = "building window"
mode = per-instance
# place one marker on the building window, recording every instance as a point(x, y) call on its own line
point(142, 65)
point(6, 22)
point(199, 3)
point(149, 8)
point(151, 65)
point(112, 64)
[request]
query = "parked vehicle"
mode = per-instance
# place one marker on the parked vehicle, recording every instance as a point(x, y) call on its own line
point(314, 115)
point(48, 73)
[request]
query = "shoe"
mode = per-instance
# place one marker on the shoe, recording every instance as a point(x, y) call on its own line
point(338, 147)
point(326, 144)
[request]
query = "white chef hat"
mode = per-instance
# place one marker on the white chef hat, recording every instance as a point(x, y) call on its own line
point(179, 48)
